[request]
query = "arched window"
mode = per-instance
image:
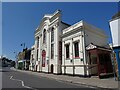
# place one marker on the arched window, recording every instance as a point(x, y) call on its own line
point(52, 34)
point(44, 36)
point(52, 45)
point(37, 42)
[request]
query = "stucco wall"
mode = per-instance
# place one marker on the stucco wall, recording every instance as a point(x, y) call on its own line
point(115, 32)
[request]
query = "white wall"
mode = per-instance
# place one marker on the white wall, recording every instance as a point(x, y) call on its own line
point(48, 23)
point(92, 35)
point(115, 32)
point(95, 38)
point(95, 35)
point(79, 68)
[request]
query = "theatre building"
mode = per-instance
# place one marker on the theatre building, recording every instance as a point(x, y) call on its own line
point(48, 45)
point(70, 49)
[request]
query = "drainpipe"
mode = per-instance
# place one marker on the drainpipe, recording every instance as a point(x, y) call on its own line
point(84, 50)
point(73, 59)
point(49, 51)
point(48, 62)
point(64, 59)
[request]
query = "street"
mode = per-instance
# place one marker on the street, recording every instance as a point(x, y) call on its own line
point(14, 79)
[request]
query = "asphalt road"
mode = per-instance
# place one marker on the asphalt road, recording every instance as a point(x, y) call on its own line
point(17, 80)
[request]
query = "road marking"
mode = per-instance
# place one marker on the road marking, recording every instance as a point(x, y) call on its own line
point(23, 85)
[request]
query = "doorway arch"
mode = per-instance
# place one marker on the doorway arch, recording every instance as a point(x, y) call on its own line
point(52, 68)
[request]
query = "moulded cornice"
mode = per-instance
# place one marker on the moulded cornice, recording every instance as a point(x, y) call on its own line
point(72, 32)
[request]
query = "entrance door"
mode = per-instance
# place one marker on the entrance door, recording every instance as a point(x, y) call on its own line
point(52, 68)
point(94, 64)
point(43, 58)
point(36, 68)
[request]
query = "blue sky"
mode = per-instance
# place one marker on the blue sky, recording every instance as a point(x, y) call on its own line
point(21, 19)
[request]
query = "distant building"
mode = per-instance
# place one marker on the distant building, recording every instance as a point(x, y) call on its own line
point(32, 59)
point(24, 59)
point(5, 62)
point(115, 32)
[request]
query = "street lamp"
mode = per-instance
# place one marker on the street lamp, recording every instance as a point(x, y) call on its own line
point(16, 58)
point(23, 44)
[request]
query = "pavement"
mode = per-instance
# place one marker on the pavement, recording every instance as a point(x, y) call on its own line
point(107, 83)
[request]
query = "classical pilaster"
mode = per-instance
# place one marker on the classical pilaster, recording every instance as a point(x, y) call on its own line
point(63, 57)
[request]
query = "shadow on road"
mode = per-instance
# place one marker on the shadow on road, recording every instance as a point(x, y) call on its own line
point(6, 69)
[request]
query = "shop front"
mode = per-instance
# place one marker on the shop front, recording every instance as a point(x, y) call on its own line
point(100, 62)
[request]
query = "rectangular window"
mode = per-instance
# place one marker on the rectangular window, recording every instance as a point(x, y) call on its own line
point(37, 54)
point(38, 43)
point(67, 51)
point(32, 56)
point(76, 49)
point(44, 36)
point(52, 51)
point(52, 35)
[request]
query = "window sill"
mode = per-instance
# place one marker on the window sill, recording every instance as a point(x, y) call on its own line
point(67, 59)
point(77, 58)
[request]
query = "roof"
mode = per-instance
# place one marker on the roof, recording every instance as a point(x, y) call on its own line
point(65, 23)
point(93, 46)
point(117, 15)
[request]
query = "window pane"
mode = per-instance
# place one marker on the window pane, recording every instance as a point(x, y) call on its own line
point(52, 51)
point(44, 36)
point(37, 54)
point(52, 35)
point(67, 51)
point(37, 42)
point(76, 47)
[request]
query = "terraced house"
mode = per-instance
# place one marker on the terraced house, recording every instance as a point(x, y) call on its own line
point(79, 49)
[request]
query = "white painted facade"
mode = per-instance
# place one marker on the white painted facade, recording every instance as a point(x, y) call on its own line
point(64, 34)
point(32, 58)
point(48, 23)
point(115, 31)
point(84, 34)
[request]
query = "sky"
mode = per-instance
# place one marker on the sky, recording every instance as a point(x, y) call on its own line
point(20, 20)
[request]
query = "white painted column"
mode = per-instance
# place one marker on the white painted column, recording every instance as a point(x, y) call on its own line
point(47, 50)
point(84, 52)
point(63, 57)
point(35, 52)
point(56, 50)
point(49, 47)
point(39, 54)
point(81, 47)
point(72, 48)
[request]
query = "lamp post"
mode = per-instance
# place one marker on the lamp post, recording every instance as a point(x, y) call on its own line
point(16, 66)
point(23, 44)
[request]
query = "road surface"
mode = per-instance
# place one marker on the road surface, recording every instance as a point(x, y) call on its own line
point(18, 80)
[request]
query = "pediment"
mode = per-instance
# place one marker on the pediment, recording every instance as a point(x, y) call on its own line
point(91, 46)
